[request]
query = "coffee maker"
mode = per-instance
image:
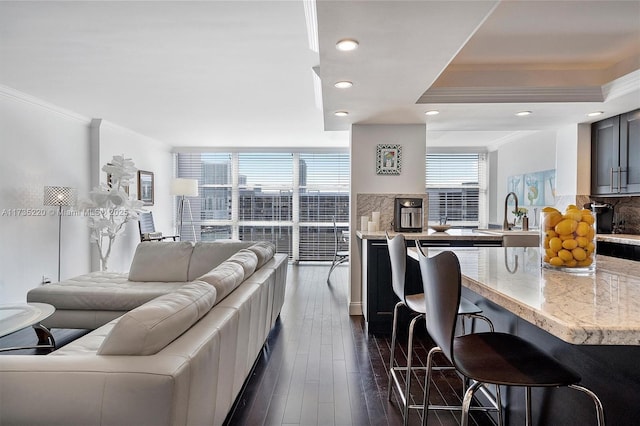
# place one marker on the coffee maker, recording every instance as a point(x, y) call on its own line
point(604, 217)
point(407, 215)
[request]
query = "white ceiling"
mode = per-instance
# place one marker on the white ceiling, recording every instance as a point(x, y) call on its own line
point(238, 73)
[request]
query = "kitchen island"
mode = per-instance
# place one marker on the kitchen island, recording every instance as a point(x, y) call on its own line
point(589, 322)
point(378, 298)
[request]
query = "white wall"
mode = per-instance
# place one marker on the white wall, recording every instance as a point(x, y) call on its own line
point(40, 146)
point(573, 158)
point(149, 155)
point(364, 138)
point(531, 153)
point(43, 144)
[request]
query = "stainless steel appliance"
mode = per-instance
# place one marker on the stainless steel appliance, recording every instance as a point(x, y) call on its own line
point(604, 217)
point(408, 215)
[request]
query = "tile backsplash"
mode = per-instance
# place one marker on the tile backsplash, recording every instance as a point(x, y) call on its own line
point(384, 203)
point(626, 213)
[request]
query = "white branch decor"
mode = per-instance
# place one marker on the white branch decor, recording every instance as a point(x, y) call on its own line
point(111, 207)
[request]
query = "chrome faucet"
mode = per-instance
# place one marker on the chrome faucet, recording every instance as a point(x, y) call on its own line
point(506, 226)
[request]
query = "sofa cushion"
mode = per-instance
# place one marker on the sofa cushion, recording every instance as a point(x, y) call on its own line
point(100, 291)
point(152, 326)
point(247, 259)
point(161, 261)
point(264, 250)
point(207, 255)
point(225, 278)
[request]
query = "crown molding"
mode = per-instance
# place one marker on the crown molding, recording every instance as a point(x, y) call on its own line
point(16, 95)
point(449, 95)
point(621, 86)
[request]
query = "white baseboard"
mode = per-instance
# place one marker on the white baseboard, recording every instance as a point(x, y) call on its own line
point(355, 308)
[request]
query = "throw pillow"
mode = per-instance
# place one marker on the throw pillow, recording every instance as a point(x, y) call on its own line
point(148, 328)
point(264, 250)
point(225, 278)
point(161, 261)
point(247, 259)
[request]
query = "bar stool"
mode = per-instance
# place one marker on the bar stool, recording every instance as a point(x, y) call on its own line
point(416, 304)
point(486, 358)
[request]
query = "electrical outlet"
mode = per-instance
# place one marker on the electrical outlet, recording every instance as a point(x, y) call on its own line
point(46, 280)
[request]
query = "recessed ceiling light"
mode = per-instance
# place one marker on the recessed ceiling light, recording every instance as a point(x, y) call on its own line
point(432, 112)
point(341, 113)
point(595, 113)
point(523, 113)
point(343, 84)
point(347, 44)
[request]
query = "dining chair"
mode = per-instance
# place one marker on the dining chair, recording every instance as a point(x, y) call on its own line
point(415, 303)
point(340, 255)
point(485, 358)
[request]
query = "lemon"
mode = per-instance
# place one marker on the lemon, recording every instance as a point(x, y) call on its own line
point(551, 233)
point(583, 228)
point(555, 244)
point(566, 226)
point(571, 263)
point(579, 254)
point(590, 247)
point(556, 261)
point(550, 209)
point(582, 241)
point(573, 214)
point(570, 244)
point(551, 219)
point(588, 261)
point(588, 217)
point(550, 253)
point(565, 255)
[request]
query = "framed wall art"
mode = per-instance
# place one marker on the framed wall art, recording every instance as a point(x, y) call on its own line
point(388, 159)
point(145, 187)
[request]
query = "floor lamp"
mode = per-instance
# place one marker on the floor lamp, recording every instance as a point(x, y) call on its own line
point(59, 196)
point(184, 188)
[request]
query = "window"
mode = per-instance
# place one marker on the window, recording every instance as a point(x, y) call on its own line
point(456, 188)
point(288, 198)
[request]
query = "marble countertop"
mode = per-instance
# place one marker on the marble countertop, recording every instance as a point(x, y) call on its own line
point(630, 239)
point(451, 234)
point(597, 309)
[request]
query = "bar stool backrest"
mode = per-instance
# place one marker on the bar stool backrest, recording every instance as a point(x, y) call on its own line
point(398, 256)
point(442, 287)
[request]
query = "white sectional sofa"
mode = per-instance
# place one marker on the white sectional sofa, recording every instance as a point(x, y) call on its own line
point(178, 358)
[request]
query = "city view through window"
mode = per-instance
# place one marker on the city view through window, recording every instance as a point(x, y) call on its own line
point(290, 199)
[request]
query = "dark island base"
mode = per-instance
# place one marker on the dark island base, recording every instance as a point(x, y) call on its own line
point(612, 372)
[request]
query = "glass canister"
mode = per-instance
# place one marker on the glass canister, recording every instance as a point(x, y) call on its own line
point(568, 240)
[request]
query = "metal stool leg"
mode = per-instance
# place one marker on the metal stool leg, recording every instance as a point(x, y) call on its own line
point(596, 401)
point(407, 392)
point(392, 361)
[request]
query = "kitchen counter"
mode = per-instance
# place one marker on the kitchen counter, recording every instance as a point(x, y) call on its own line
point(452, 234)
point(630, 239)
point(598, 309)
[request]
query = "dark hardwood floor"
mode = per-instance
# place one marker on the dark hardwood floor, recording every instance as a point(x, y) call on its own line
point(319, 365)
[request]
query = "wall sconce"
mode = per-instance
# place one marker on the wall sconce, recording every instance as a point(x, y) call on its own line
point(59, 196)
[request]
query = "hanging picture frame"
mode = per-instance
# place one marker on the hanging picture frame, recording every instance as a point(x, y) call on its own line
point(145, 187)
point(388, 159)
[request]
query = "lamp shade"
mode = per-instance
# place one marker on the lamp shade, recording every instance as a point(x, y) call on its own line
point(59, 196)
point(188, 187)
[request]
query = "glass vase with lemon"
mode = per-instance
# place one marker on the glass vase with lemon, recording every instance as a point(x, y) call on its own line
point(568, 240)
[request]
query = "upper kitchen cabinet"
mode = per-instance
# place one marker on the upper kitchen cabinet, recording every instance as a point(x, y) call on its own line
point(615, 155)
